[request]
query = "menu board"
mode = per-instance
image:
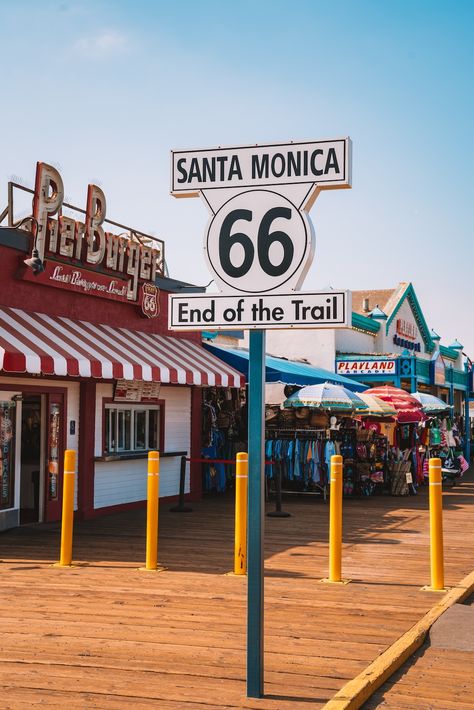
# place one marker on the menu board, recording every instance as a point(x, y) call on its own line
point(7, 446)
point(136, 391)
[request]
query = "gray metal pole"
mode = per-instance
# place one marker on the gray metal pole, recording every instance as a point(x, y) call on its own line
point(256, 505)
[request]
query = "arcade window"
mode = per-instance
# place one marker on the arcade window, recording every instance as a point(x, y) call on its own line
point(132, 428)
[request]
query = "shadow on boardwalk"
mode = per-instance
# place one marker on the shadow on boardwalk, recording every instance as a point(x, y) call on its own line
point(202, 541)
point(104, 635)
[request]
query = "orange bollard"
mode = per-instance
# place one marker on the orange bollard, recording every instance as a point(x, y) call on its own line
point(335, 523)
point(67, 520)
point(241, 486)
point(152, 506)
point(436, 526)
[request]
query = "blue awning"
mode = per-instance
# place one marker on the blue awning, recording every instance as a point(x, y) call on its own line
point(280, 370)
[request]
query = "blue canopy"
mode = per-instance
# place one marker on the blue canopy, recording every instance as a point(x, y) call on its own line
point(280, 370)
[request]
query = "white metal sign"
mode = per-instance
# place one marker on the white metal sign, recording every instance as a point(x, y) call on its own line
point(326, 309)
point(326, 162)
point(259, 239)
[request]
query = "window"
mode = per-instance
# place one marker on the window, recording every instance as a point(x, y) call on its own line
point(132, 428)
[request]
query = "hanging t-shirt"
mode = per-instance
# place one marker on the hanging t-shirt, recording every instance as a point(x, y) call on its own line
point(329, 450)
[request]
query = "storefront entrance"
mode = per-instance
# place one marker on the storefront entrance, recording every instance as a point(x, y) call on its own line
point(32, 443)
point(41, 453)
point(9, 454)
point(32, 459)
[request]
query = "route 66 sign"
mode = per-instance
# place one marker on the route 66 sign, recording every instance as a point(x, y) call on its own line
point(150, 300)
point(260, 239)
point(258, 242)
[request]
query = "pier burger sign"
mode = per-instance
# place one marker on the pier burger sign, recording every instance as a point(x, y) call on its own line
point(81, 256)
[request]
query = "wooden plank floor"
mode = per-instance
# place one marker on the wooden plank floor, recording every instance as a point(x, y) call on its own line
point(437, 676)
point(434, 679)
point(105, 635)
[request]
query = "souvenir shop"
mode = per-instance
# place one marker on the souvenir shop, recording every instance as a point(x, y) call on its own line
point(424, 427)
point(385, 447)
point(300, 443)
point(87, 362)
point(389, 343)
point(399, 424)
point(224, 435)
point(224, 419)
point(442, 437)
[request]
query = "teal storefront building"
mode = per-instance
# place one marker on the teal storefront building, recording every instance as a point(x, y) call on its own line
point(389, 342)
point(407, 353)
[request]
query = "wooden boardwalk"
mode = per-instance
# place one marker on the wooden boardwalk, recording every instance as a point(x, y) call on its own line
point(439, 675)
point(105, 635)
point(435, 679)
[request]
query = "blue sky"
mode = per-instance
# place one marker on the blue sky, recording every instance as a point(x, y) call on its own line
point(104, 90)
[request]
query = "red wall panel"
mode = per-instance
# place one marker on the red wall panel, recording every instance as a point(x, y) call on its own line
point(16, 293)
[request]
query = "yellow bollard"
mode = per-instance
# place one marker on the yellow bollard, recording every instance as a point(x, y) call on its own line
point(241, 484)
point(335, 520)
point(153, 494)
point(68, 509)
point(436, 526)
point(335, 523)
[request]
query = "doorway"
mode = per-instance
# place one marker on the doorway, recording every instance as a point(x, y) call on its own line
point(31, 459)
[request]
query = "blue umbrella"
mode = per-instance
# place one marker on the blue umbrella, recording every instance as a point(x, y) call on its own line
point(328, 397)
point(431, 404)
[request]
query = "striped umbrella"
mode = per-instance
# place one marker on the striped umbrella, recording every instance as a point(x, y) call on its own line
point(431, 404)
point(409, 410)
point(376, 406)
point(328, 397)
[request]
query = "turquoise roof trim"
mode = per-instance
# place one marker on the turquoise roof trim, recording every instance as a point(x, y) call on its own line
point(448, 352)
point(460, 379)
point(410, 296)
point(423, 369)
point(364, 323)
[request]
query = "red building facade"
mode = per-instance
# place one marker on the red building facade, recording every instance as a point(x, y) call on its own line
point(87, 363)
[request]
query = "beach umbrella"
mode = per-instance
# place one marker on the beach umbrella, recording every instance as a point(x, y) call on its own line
point(431, 404)
point(376, 406)
point(326, 396)
point(409, 410)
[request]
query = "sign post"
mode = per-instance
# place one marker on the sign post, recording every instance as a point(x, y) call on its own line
point(259, 245)
point(256, 520)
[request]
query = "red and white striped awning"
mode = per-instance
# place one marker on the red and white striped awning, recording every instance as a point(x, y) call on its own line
point(36, 343)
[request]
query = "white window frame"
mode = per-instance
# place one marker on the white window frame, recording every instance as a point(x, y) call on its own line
point(134, 409)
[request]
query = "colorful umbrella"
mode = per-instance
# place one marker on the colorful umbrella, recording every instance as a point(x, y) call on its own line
point(327, 396)
point(408, 408)
point(431, 404)
point(376, 406)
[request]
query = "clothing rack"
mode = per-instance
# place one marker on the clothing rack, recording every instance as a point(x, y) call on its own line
point(302, 434)
point(294, 432)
